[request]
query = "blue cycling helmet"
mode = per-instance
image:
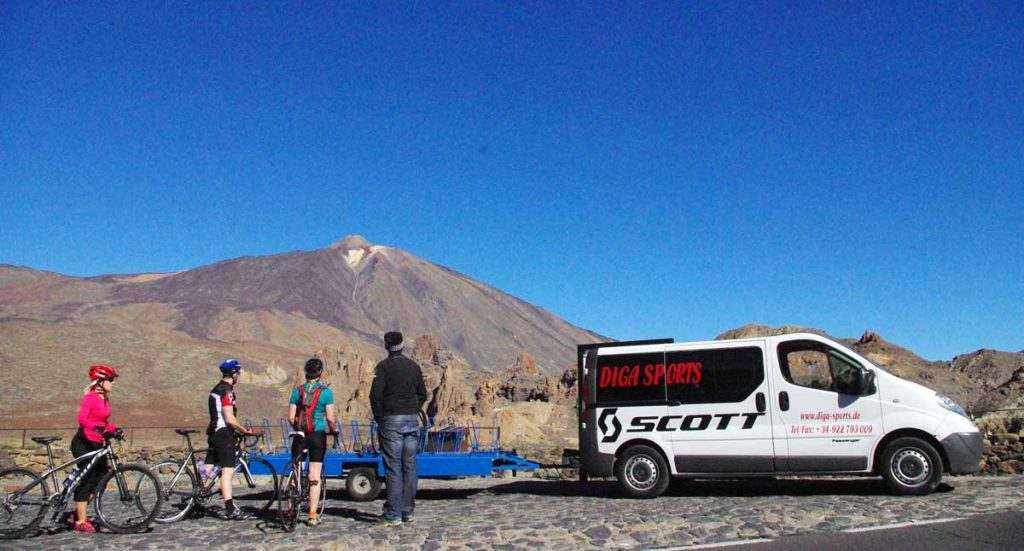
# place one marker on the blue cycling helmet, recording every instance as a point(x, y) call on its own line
point(230, 367)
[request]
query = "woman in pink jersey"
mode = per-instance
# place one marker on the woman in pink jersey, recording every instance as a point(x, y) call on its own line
point(92, 423)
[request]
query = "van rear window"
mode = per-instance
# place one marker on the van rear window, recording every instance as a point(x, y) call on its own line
point(630, 377)
point(716, 375)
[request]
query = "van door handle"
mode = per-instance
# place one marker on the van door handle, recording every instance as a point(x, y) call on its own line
point(784, 401)
point(760, 402)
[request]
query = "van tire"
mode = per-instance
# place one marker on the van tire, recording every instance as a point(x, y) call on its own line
point(911, 466)
point(642, 472)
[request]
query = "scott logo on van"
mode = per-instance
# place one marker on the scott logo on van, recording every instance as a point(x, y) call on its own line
point(700, 421)
point(610, 427)
point(602, 424)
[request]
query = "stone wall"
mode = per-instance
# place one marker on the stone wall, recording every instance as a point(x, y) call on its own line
point(1004, 453)
point(35, 458)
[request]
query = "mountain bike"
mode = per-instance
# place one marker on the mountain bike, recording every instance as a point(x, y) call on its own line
point(254, 483)
point(293, 495)
point(128, 497)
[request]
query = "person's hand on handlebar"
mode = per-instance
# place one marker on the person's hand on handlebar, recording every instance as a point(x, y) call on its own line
point(115, 434)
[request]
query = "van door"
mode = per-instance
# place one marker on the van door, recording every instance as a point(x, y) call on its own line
point(628, 395)
point(717, 415)
point(828, 426)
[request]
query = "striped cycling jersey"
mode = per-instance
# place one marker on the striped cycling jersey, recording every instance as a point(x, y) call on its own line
point(222, 395)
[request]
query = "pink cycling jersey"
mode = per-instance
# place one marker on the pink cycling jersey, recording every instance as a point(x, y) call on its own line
point(93, 413)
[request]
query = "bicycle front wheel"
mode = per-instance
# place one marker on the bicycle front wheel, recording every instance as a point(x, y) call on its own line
point(254, 486)
point(129, 499)
point(180, 488)
point(289, 499)
point(23, 499)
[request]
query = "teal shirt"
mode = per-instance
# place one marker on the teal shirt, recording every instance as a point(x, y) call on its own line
point(320, 412)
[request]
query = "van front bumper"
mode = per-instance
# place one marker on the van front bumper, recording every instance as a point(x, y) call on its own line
point(964, 451)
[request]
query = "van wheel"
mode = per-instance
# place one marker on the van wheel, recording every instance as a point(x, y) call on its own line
point(642, 472)
point(911, 466)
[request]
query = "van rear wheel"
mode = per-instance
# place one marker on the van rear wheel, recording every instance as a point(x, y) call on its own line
point(642, 472)
point(911, 466)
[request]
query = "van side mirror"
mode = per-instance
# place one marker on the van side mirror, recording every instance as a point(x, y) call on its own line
point(865, 383)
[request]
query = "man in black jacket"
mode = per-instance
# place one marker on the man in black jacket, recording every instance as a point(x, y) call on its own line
point(396, 398)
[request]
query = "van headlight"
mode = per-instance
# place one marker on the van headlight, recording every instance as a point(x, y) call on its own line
point(945, 402)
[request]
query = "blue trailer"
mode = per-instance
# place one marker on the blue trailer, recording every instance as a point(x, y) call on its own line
point(446, 450)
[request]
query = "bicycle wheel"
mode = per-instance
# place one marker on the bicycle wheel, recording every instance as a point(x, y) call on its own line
point(23, 499)
point(180, 487)
point(132, 507)
point(254, 486)
point(288, 499)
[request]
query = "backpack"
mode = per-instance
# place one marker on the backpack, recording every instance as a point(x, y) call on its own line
point(304, 411)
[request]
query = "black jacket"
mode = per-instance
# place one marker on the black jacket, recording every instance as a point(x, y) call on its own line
point(398, 387)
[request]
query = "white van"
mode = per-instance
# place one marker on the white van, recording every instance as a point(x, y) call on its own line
point(789, 404)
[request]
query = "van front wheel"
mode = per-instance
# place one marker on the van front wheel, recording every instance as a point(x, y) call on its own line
point(911, 466)
point(642, 472)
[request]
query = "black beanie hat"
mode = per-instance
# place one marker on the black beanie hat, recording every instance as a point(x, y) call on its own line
point(393, 341)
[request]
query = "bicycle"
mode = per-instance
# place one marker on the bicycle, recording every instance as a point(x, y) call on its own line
point(128, 497)
point(184, 488)
point(293, 494)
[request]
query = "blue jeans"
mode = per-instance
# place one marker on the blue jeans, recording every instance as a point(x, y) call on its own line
point(398, 437)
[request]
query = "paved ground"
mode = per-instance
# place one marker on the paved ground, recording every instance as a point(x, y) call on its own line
point(529, 513)
point(989, 532)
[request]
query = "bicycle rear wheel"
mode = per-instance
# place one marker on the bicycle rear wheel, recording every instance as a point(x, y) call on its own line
point(288, 499)
point(180, 487)
point(23, 499)
point(254, 486)
point(133, 507)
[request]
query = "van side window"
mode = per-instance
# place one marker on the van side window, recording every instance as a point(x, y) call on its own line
point(815, 365)
point(630, 378)
point(716, 375)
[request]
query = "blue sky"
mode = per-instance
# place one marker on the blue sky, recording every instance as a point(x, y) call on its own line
point(641, 170)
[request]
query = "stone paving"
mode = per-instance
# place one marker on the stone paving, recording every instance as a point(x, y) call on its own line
point(532, 513)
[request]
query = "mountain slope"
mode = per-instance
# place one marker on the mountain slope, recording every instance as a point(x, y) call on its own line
point(169, 331)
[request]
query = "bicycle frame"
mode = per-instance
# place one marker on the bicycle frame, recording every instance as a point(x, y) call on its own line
point(59, 495)
point(207, 484)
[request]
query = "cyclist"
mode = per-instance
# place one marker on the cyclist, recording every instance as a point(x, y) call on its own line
point(92, 425)
point(311, 410)
point(221, 433)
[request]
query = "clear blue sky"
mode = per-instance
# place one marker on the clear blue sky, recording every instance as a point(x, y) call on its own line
point(639, 169)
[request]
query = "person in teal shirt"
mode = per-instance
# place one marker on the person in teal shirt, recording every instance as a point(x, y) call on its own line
point(311, 410)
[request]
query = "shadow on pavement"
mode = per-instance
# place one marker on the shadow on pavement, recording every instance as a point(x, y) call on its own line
point(744, 487)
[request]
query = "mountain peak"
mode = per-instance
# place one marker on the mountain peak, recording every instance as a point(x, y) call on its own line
point(355, 250)
point(351, 242)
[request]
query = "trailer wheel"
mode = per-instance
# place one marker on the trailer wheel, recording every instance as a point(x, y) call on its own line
point(642, 472)
point(362, 484)
point(911, 466)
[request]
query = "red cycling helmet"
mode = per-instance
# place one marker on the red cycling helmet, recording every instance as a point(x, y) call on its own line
point(102, 372)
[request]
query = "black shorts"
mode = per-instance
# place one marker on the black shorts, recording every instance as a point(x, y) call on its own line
point(222, 448)
point(315, 442)
point(79, 447)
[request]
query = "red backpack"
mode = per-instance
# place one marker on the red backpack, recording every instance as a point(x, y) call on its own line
point(304, 412)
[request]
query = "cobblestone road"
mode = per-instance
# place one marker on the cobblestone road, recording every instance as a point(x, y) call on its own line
point(528, 513)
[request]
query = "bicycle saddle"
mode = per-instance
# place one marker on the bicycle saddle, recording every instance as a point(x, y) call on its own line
point(185, 432)
point(44, 440)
